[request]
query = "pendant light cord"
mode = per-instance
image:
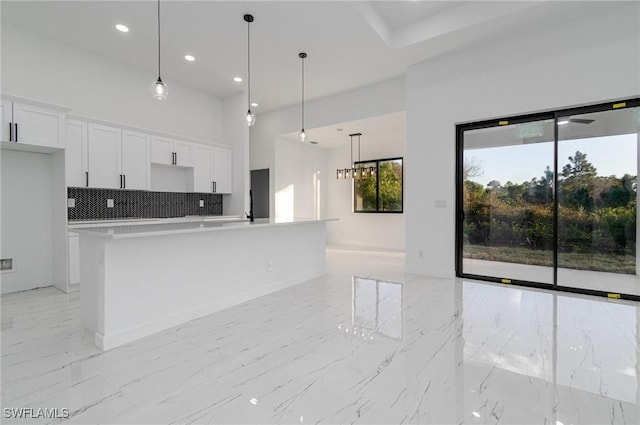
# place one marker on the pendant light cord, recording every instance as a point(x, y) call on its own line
point(249, 65)
point(351, 149)
point(303, 93)
point(159, 40)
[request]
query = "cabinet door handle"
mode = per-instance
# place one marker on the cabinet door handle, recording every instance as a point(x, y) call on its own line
point(124, 181)
point(16, 124)
point(175, 155)
point(86, 176)
point(11, 132)
point(215, 187)
point(120, 181)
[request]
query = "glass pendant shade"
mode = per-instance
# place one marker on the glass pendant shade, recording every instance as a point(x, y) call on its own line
point(302, 135)
point(251, 119)
point(159, 90)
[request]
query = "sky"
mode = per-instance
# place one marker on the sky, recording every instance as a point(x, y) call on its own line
point(611, 155)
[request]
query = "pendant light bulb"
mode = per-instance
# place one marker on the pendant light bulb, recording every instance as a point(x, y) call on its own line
point(159, 90)
point(302, 135)
point(251, 119)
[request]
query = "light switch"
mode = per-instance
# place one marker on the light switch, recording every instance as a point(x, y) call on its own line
point(109, 203)
point(201, 203)
point(71, 202)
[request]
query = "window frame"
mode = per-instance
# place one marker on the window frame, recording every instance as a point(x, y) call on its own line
point(377, 210)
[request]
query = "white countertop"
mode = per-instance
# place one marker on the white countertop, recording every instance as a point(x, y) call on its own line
point(193, 226)
point(78, 224)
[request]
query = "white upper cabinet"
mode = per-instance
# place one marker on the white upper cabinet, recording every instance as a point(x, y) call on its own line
point(171, 152)
point(32, 125)
point(105, 156)
point(222, 169)
point(135, 160)
point(76, 154)
point(184, 153)
point(6, 114)
point(202, 168)
point(162, 150)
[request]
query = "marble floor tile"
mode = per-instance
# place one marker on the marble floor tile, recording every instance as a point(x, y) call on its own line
point(365, 343)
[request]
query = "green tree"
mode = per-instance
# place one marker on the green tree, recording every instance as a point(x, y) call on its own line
point(390, 186)
point(578, 182)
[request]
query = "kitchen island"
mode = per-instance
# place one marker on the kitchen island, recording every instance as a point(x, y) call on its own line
point(140, 279)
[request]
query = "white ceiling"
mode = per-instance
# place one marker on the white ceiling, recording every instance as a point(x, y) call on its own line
point(384, 129)
point(350, 44)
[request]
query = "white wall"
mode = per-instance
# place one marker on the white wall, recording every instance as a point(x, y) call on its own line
point(26, 220)
point(236, 133)
point(43, 69)
point(588, 61)
point(371, 101)
point(300, 180)
point(386, 231)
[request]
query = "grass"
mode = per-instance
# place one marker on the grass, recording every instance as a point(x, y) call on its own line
point(612, 263)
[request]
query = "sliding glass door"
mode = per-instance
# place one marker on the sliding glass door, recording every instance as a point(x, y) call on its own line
point(507, 201)
point(551, 199)
point(597, 200)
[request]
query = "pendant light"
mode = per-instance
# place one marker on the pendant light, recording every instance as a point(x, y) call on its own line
point(159, 89)
point(251, 119)
point(354, 172)
point(302, 135)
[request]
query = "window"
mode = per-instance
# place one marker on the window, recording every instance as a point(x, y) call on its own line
point(378, 186)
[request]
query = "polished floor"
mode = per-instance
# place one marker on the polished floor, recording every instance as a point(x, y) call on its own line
point(620, 283)
point(364, 344)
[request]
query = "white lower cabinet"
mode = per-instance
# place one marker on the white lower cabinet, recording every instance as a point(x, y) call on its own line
point(74, 259)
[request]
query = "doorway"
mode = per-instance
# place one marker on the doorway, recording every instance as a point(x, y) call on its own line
point(260, 192)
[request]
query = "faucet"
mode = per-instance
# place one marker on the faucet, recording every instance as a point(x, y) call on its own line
point(250, 215)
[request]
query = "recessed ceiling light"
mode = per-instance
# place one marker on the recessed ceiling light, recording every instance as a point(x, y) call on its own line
point(122, 28)
point(237, 79)
point(563, 122)
point(254, 105)
point(189, 58)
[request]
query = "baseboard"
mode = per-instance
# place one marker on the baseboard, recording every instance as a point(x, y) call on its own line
point(441, 274)
point(115, 339)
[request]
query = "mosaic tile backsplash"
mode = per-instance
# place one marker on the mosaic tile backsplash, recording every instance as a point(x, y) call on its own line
point(91, 204)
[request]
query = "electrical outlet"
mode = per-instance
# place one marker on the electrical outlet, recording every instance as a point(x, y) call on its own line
point(201, 203)
point(109, 203)
point(71, 202)
point(6, 264)
point(269, 266)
